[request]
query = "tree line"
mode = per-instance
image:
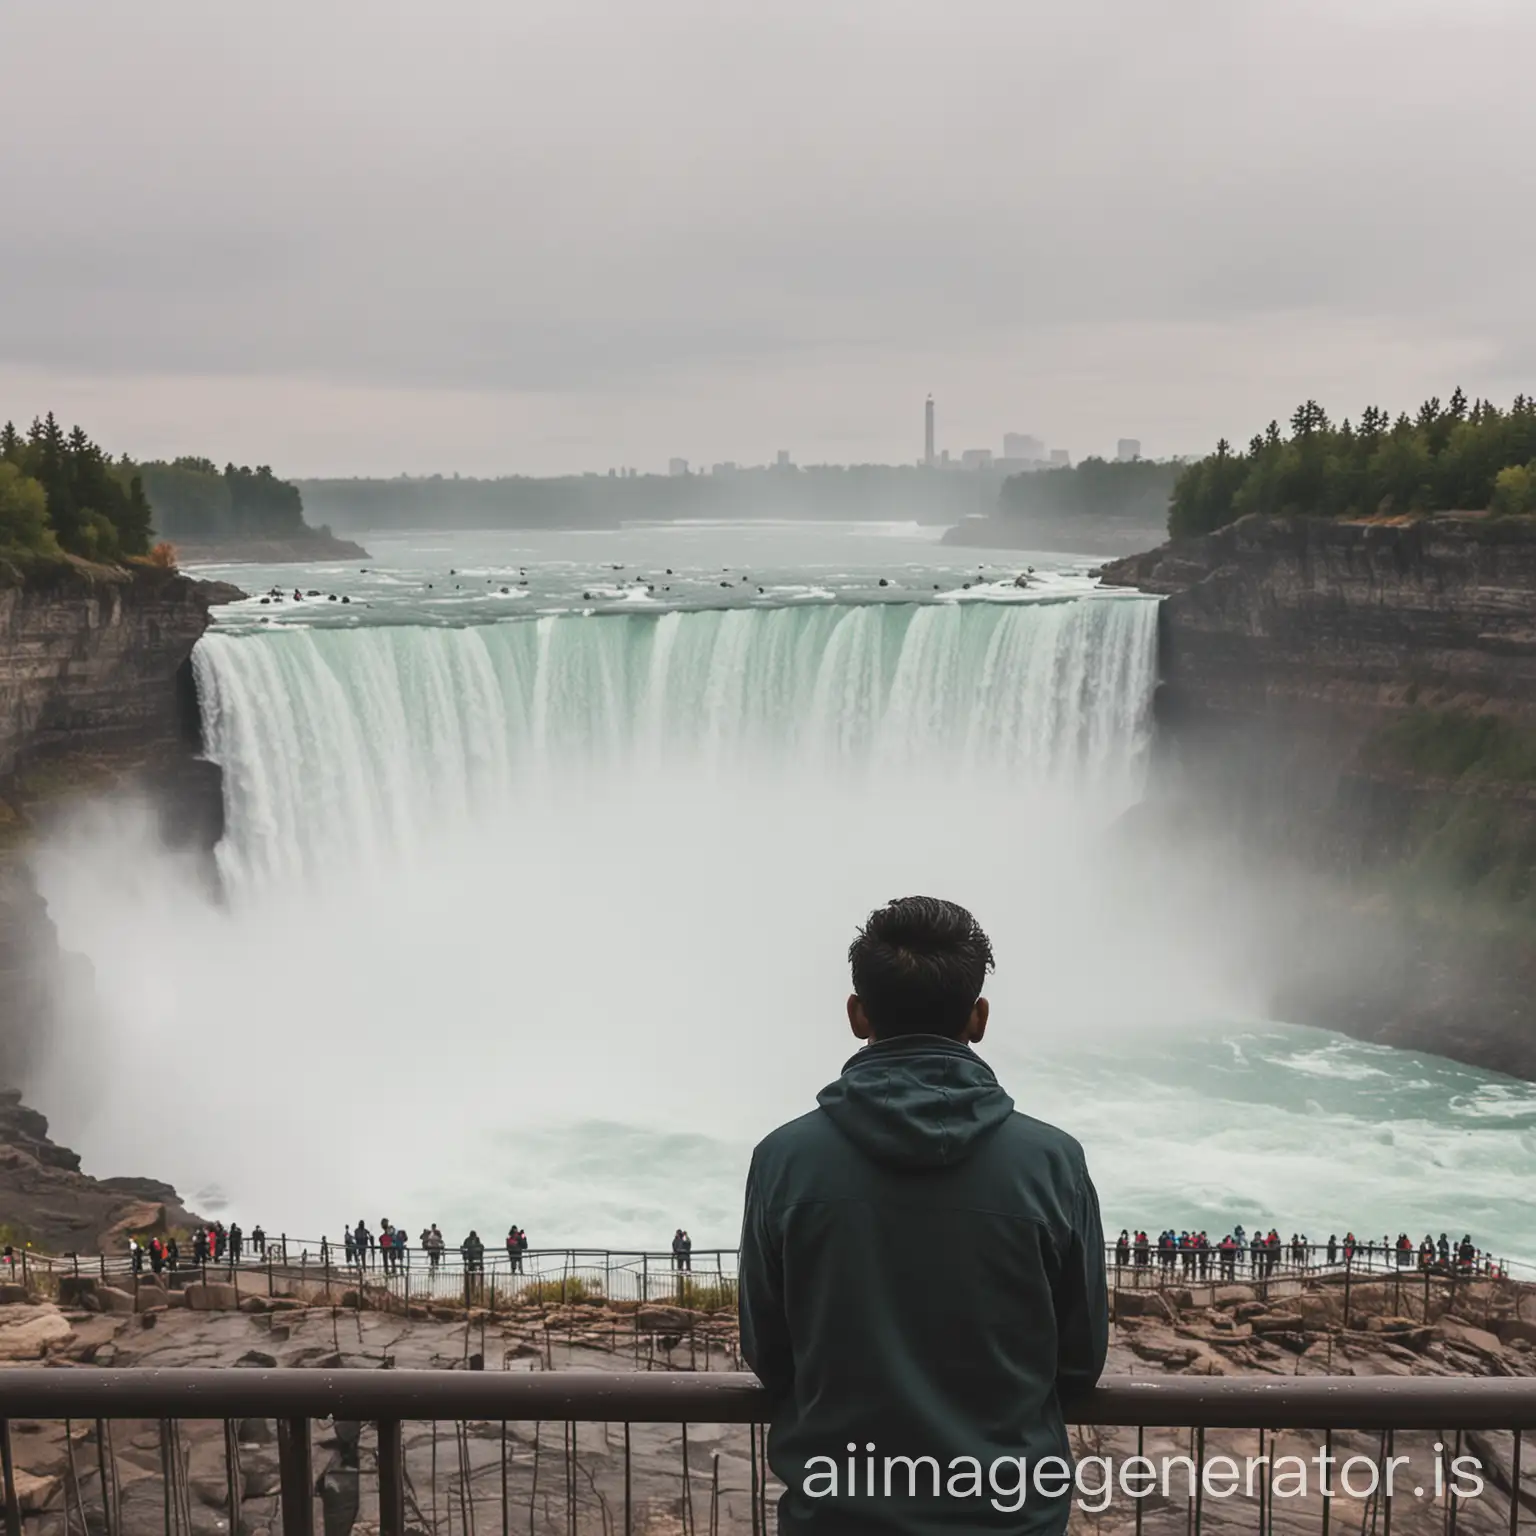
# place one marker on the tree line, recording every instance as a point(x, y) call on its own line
point(61, 493)
point(1132, 490)
point(1450, 456)
point(195, 500)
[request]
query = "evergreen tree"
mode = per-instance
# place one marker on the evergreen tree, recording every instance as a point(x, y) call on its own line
point(1446, 457)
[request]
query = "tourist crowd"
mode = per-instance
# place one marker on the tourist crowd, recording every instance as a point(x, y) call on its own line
point(1262, 1254)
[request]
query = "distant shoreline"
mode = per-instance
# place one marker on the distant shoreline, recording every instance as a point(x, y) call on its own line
point(304, 551)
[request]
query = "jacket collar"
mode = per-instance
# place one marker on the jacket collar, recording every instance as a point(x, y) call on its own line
point(905, 1047)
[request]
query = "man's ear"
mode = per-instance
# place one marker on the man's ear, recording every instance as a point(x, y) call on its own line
point(858, 1020)
point(977, 1025)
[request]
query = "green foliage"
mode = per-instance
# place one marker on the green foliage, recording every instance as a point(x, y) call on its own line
point(1474, 847)
point(23, 511)
point(1133, 490)
point(717, 1295)
point(104, 510)
point(1455, 744)
point(1448, 457)
point(194, 500)
point(1514, 490)
point(563, 1292)
point(94, 508)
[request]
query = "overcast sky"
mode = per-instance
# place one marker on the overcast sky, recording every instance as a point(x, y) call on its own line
point(367, 236)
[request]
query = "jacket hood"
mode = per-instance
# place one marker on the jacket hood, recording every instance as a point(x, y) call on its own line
point(920, 1101)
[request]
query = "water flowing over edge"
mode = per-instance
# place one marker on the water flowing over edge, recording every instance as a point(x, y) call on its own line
point(345, 744)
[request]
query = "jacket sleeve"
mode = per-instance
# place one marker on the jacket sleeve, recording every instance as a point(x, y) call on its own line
point(765, 1342)
point(1082, 1299)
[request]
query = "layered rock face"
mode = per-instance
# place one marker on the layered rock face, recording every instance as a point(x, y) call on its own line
point(1327, 694)
point(96, 697)
point(93, 659)
point(1341, 622)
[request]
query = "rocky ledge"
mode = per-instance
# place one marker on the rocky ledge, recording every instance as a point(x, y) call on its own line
point(1344, 621)
point(48, 1202)
point(1351, 707)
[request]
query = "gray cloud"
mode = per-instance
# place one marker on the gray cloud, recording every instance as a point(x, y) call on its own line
point(631, 222)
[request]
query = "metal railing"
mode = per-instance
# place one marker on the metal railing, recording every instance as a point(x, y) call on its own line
point(545, 1275)
point(641, 1275)
point(703, 1468)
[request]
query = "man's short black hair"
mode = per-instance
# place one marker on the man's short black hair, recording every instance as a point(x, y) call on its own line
point(919, 965)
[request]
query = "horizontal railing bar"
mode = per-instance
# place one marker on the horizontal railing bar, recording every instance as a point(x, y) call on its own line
point(1250, 1402)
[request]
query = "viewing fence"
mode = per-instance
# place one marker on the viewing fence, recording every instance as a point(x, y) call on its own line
point(318, 1271)
point(187, 1452)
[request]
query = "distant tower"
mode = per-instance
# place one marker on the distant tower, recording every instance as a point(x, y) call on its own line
point(928, 433)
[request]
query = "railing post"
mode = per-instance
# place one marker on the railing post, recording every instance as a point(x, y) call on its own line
point(12, 1504)
point(166, 1463)
point(231, 1475)
point(391, 1479)
point(296, 1472)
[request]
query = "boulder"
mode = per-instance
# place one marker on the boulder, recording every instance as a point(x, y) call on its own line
point(284, 1304)
point(212, 1296)
point(151, 1299)
point(1515, 1330)
point(253, 1304)
point(1276, 1322)
point(1318, 1312)
point(1465, 1336)
point(11, 1294)
point(110, 1299)
point(35, 1493)
point(1232, 1295)
point(258, 1358)
point(665, 1319)
point(32, 1332)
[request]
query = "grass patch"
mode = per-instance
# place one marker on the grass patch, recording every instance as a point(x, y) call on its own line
point(718, 1295)
point(562, 1292)
point(1456, 744)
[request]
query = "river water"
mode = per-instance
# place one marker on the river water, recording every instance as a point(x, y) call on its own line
point(544, 851)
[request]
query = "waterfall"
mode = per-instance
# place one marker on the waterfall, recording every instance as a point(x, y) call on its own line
point(347, 744)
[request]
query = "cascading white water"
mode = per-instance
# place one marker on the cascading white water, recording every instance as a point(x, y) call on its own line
point(554, 912)
point(340, 746)
point(546, 921)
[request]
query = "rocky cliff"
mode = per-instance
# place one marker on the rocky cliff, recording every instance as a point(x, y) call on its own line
point(1355, 703)
point(96, 659)
point(96, 696)
point(1311, 617)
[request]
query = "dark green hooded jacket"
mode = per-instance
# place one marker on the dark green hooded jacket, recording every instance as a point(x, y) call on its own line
point(922, 1269)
